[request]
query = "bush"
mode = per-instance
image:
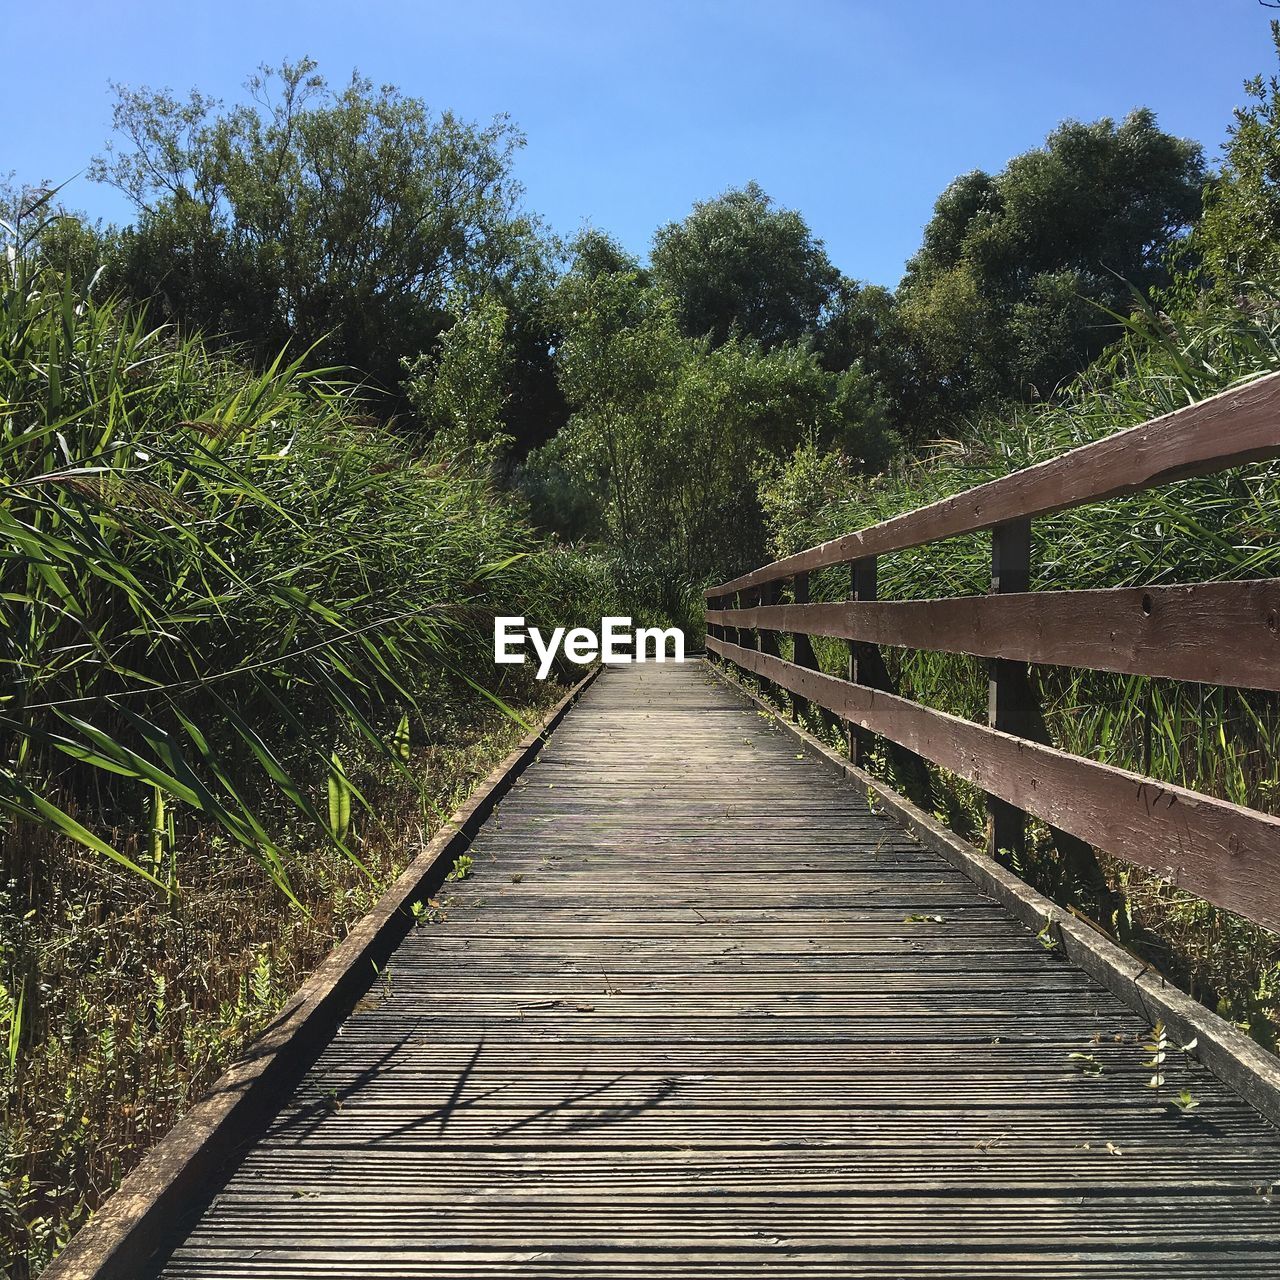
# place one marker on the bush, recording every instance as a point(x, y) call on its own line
point(242, 630)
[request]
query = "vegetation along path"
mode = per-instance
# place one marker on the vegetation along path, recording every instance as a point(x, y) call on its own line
point(698, 1010)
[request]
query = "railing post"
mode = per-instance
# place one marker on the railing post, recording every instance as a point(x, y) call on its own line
point(1010, 702)
point(864, 659)
point(767, 641)
point(1013, 706)
point(867, 667)
point(803, 655)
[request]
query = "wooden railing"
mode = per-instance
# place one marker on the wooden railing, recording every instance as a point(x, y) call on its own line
point(1224, 633)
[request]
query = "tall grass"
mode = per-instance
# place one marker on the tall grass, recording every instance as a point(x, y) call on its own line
point(1222, 741)
point(239, 628)
point(206, 567)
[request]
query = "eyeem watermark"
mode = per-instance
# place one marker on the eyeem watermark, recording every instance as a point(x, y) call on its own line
point(617, 643)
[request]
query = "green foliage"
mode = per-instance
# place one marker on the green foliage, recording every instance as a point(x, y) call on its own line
point(339, 800)
point(1086, 1063)
point(213, 574)
point(228, 602)
point(1237, 242)
point(1222, 741)
point(459, 392)
point(120, 1007)
point(401, 741)
point(335, 219)
point(241, 622)
point(1004, 300)
point(1158, 1047)
point(996, 303)
point(738, 265)
point(558, 501)
point(668, 433)
point(810, 481)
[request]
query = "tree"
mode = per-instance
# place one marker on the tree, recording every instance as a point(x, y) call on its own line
point(1237, 242)
point(999, 301)
point(668, 433)
point(35, 224)
point(595, 253)
point(618, 362)
point(860, 324)
point(343, 219)
point(737, 263)
point(863, 329)
point(459, 391)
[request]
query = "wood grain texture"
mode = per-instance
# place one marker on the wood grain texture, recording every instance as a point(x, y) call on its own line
point(1251, 1070)
point(699, 1011)
point(125, 1233)
point(1224, 633)
point(1234, 427)
point(1226, 854)
point(1012, 704)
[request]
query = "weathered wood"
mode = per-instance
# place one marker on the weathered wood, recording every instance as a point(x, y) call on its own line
point(1249, 1068)
point(1226, 854)
point(714, 603)
point(1224, 633)
point(1232, 428)
point(867, 667)
point(173, 1176)
point(767, 641)
point(804, 655)
point(1010, 699)
point(865, 664)
point(697, 1011)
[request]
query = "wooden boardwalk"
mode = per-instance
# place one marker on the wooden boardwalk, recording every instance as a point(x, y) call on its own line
point(698, 1011)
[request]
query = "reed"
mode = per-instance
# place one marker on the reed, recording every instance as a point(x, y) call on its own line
point(242, 630)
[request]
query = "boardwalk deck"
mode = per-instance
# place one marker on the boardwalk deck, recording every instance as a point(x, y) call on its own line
point(698, 1011)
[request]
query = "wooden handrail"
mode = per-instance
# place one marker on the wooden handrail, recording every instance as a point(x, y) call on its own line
point(1227, 430)
point(1213, 632)
point(1226, 854)
point(1221, 633)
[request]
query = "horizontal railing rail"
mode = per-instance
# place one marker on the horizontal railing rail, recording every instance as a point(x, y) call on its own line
point(1212, 632)
point(1218, 633)
point(1227, 430)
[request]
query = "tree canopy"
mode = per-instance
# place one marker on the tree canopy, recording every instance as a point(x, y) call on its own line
point(669, 433)
point(738, 263)
point(999, 299)
point(1237, 240)
point(641, 403)
point(343, 219)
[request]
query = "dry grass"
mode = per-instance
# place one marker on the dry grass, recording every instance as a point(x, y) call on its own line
point(138, 1002)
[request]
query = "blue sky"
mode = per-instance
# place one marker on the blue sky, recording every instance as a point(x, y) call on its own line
point(856, 112)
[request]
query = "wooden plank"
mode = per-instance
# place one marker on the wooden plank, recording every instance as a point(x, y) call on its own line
point(866, 666)
point(767, 641)
point(1224, 633)
point(1222, 852)
point(1010, 700)
point(804, 655)
point(744, 1028)
point(1250, 1069)
point(714, 629)
point(1232, 428)
point(122, 1235)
